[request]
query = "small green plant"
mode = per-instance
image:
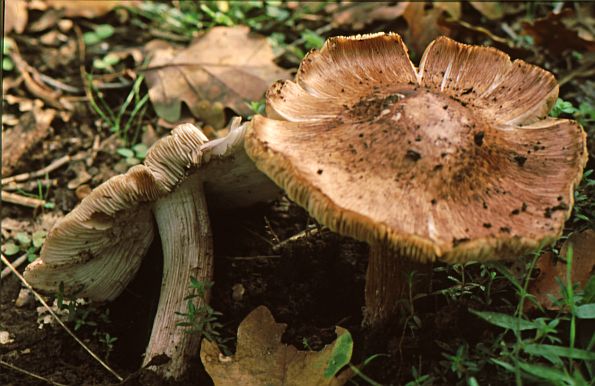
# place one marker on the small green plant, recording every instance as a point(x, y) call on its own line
point(130, 113)
point(257, 107)
point(7, 64)
point(107, 340)
point(312, 40)
point(99, 34)
point(25, 243)
point(201, 319)
point(544, 348)
point(419, 379)
point(563, 107)
point(107, 62)
point(460, 363)
point(584, 205)
point(84, 315)
point(471, 280)
point(134, 155)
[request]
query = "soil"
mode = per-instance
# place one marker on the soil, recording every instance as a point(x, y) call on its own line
point(313, 283)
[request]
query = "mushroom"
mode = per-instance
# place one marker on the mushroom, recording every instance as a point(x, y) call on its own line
point(453, 161)
point(96, 249)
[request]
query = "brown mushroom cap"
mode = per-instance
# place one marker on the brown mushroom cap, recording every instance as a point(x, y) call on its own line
point(456, 161)
point(96, 249)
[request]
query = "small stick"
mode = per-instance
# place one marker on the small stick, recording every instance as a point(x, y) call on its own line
point(31, 185)
point(60, 322)
point(20, 260)
point(94, 150)
point(305, 233)
point(23, 371)
point(59, 85)
point(39, 173)
point(17, 199)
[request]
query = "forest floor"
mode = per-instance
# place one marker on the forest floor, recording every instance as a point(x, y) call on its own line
point(75, 91)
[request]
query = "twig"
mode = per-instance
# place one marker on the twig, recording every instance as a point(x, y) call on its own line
point(39, 173)
point(305, 233)
point(60, 322)
point(30, 185)
point(20, 260)
point(17, 199)
point(94, 150)
point(23, 371)
point(59, 85)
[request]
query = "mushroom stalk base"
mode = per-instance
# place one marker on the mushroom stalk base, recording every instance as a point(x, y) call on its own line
point(185, 232)
point(389, 284)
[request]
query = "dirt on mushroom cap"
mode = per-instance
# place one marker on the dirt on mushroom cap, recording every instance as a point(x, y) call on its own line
point(454, 162)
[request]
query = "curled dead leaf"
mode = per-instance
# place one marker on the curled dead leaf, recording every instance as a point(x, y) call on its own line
point(490, 9)
point(424, 25)
point(553, 270)
point(16, 16)
point(561, 32)
point(261, 358)
point(88, 8)
point(33, 127)
point(226, 67)
point(356, 15)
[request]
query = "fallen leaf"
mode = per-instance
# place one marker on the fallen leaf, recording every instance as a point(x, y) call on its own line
point(261, 358)
point(356, 15)
point(31, 77)
point(88, 8)
point(423, 25)
point(558, 33)
point(226, 67)
point(49, 19)
point(82, 176)
point(16, 16)
point(467, 31)
point(492, 10)
point(552, 270)
point(33, 127)
point(453, 8)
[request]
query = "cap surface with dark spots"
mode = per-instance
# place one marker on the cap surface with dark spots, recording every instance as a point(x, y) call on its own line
point(434, 161)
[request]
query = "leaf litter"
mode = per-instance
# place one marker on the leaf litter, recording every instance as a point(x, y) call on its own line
point(262, 359)
point(225, 67)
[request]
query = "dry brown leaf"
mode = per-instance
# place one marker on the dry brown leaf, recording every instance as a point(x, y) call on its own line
point(490, 9)
point(551, 270)
point(88, 8)
point(49, 19)
point(356, 15)
point(261, 358)
point(226, 67)
point(559, 32)
point(33, 127)
point(423, 25)
point(453, 8)
point(16, 16)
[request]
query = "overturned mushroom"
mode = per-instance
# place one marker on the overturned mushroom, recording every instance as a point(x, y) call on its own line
point(97, 249)
point(454, 161)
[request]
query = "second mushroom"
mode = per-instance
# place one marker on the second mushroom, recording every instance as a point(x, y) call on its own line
point(97, 248)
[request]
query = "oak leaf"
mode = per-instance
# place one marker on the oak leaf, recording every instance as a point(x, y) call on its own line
point(226, 67)
point(261, 358)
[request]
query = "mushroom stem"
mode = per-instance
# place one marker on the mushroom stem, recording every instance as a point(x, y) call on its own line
point(185, 232)
point(389, 286)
